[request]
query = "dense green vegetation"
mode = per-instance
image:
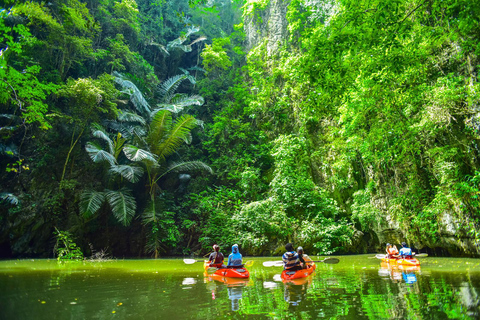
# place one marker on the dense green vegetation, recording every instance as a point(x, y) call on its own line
point(159, 128)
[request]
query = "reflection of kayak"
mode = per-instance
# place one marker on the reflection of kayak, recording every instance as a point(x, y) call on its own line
point(298, 274)
point(234, 282)
point(386, 266)
point(402, 262)
point(229, 272)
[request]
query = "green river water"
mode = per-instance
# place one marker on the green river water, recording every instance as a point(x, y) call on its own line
point(356, 288)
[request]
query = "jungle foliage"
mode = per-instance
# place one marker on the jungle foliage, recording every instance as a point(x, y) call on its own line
point(150, 128)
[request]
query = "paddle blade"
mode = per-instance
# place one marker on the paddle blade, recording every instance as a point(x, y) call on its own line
point(273, 264)
point(189, 261)
point(331, 260)
point(420, 255)
point(249, 263)
point(211, 270)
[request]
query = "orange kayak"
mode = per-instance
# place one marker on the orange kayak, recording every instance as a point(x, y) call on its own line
point(229, 272)
point(402, 262)
point(298, 274)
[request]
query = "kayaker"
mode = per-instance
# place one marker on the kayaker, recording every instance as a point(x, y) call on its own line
point(216, 257)
point(290, 259)
point(235, 258)
point(304, 259)
point(391, 251)
point(405, 252)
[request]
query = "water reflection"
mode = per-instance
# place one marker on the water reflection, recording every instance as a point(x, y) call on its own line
point(397, 273)
point(216, 283)
point(296, 290)
point(356, 288)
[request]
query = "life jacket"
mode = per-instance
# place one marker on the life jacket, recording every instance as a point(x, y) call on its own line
point(216, 259)
point(392, 251)
point(290, 260)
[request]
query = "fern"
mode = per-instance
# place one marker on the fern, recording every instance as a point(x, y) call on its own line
point(131, 173)
point(91, 202)
point(123, 205)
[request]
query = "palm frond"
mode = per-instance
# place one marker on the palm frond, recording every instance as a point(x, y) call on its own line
point(191, 30)
point(185, 71)
point(168, 107)
point(136, 154)
point(186, 100)
point(99, 132)
point(136, 95)
point(176, 136)
point(124, 116)
point(191, 79)
point(131, 173)
point(202, 38)
point(161, 124)
point(160, 46)
point(126, 129)
point(187, 166)
point(9, 198)
point(91, 202)
point(97, 154)
point(197, 68)
point(168, 87)
point(200, 123)
point(123, 205)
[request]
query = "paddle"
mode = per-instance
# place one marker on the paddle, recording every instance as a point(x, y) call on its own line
point(418, 255)
point(191, 261)
point(280, 263)
point(211, 270)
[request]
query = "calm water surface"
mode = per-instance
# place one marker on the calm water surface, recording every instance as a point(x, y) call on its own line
point(357, 288)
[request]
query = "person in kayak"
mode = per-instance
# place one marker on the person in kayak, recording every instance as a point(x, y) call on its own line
point(303, 258)
point(392, 251)
point(405, 252)
point(235, 258)
point(290, 259)
point(216, 257)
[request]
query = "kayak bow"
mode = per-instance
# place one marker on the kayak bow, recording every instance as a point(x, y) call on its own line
point(228, 272)
point(298, 274)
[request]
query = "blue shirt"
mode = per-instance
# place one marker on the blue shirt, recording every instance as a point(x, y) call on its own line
point(405, 252)
point(290, 260)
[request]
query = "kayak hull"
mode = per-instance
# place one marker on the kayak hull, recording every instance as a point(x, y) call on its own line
point(298, 274)
point(229, 272)
point(402, 262)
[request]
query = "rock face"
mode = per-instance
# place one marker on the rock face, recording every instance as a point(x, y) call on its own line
point(269, 24)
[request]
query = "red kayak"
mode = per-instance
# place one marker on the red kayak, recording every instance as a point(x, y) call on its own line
point(229, 272)
point(298, 274)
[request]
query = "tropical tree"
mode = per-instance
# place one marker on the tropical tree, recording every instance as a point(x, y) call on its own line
point(146, 151)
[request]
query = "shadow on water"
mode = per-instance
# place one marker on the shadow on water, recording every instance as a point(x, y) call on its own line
point(356, 288)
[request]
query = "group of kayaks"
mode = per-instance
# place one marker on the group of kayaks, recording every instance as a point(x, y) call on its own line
point(288, 275)
point(243, 272)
